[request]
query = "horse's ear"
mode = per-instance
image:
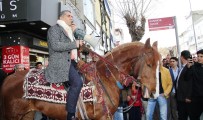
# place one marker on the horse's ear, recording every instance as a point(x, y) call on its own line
point(154, 45)
point(147, 43)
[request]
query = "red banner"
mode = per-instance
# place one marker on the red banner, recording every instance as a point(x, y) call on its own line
point(14, 55)
point(161, 23)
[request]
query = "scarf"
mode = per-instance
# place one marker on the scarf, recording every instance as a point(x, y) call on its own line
point(67, 28)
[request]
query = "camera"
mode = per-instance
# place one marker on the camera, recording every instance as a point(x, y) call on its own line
point(190, 59)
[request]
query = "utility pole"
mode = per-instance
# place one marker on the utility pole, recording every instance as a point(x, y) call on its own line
point(177, 40)
point(193, 26)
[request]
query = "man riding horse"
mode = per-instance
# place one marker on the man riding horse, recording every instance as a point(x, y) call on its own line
point(62, 55)
point(62, 50)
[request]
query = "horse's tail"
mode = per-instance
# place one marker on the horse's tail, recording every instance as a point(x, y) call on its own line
point(3, 77)
point(1, 107)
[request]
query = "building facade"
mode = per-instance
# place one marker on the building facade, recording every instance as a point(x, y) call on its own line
point(24, 25)
point(192, 39)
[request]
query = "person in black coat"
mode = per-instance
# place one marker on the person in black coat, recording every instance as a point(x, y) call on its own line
point(184, 88)
point(197, 87)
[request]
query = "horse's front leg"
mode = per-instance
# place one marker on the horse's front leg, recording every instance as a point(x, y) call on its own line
point(104, 117)
point(29, 116)
point(52, 110)
point(21, 110)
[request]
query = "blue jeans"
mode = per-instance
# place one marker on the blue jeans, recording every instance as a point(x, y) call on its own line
point(75, 83)
point(162, 101)
point(118, 115)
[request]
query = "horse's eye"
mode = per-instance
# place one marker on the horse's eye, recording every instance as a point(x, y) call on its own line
point(149, 65)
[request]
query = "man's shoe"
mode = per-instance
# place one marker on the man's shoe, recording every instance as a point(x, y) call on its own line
point(75, 118)
point(71, 116)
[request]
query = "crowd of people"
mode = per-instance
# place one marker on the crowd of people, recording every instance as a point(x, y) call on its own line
point(179, 93)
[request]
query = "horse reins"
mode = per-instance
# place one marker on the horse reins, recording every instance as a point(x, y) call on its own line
point(109, 63)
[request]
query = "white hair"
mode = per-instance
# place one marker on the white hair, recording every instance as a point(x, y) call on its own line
point(18, 66)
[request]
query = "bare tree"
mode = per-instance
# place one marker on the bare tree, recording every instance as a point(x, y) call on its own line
point(133, 12)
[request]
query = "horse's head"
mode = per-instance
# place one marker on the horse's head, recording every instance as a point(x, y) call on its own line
point(146, 67)
point(137, 59)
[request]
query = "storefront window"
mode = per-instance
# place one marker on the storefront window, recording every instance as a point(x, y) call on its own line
point(88, 10)
point(38, 57)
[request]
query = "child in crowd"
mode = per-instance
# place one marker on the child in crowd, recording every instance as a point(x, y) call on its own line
point(134, 99)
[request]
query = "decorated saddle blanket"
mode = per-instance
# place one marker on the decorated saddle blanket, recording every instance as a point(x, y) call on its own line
point(36, 87)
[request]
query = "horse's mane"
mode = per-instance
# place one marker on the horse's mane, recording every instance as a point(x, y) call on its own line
point(125, 46)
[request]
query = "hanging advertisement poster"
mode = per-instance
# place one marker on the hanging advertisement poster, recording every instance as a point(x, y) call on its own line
point(25, 56)
point(12, 55)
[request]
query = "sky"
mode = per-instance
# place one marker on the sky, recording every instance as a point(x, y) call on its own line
point(161, 9)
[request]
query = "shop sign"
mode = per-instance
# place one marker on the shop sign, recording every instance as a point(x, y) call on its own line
point(40, 43)
point(12, 55)
point(161, 23)
point(13, 10)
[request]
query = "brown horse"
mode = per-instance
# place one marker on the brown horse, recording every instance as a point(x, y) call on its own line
point(140, 58)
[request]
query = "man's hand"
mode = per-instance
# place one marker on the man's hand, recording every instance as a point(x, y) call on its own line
point(163, 94)
point(73, 26)
point(79, 43)
point(133, 97)
point(128, 98)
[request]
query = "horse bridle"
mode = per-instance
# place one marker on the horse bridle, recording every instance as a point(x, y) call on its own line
point(141, 68)
point(126, 75)
point(143, 57)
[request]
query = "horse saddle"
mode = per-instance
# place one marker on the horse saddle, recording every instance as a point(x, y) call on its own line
point(36, 87)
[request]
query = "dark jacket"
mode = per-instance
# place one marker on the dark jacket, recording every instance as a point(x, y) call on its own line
point(197, 77)
point(184, 89)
